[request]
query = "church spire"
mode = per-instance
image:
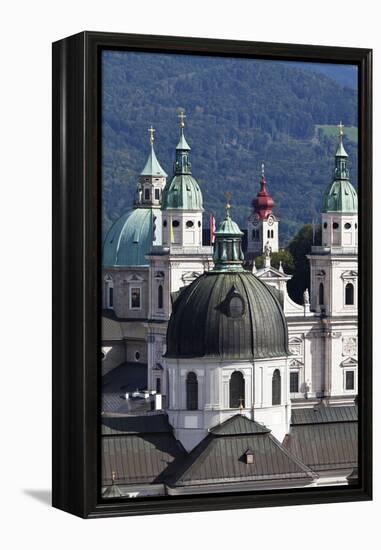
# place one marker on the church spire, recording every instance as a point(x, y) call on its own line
point(151, 179)
point(228, 255)
point(263, 203)
point(152, 167)
point(341, 171)
point(182, 163)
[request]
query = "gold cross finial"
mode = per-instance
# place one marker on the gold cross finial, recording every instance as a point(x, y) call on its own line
point(241, 403)
point(228, 197)
point(341, 129)
point(151, 134)
point(182, 117)
point(263, 169)
point(113, 476)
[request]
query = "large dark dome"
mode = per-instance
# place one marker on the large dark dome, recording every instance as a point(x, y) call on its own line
point(227, 315)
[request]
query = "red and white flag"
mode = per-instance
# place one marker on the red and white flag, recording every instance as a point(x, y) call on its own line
point(212, 226)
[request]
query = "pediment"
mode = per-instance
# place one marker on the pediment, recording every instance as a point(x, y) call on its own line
point(350, 274)
point(134, 278)
point(295, 363)
point(350, 362)
point(271, 273)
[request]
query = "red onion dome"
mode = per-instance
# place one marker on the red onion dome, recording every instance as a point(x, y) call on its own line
point(263, 203)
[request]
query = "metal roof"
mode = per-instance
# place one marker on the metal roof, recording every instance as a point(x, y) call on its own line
point(325, 446)
point(132, 425)
point(324, 415)
point(142, 458)
point(152, 166)
point(130, 239)
point(200, 324)
point(221, 458)
point(182, 192)
point(239, 425)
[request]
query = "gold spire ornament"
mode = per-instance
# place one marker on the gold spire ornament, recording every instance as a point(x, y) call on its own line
point(341, 129)
point(151, 134)
point(263, 169)
point(113, 477)
point(182, 117)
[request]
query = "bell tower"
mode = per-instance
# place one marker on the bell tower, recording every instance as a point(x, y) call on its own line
point(262, 226)
point(180, 259)
point(151, 180)
point(334, 263)
point(334, 285)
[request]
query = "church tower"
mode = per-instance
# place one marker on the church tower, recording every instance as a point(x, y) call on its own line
point(334, 284)
point(151, 180)
point(334, 263)
point(179, 260)
point(262, 226)
point(182, 201)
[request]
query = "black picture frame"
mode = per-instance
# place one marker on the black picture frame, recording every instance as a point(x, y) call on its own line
point(76, 272)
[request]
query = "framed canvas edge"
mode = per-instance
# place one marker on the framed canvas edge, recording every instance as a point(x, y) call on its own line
point(76, 247)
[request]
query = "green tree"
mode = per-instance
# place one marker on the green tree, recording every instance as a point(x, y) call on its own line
point(283, 256)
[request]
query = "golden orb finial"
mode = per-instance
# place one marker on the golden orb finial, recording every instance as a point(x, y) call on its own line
point(341, 129)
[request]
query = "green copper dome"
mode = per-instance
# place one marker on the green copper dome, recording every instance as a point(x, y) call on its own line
point(227, 315)
point(340, 195)
point(131, 237)
point(183, 191)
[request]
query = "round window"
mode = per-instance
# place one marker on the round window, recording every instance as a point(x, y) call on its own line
point(199, 224)
point(347, 225)
point(189, 223)
point(335, 225)
point(175, 223)
point(137, 356)
point(236, 307)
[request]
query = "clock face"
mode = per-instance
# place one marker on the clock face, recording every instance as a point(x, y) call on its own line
point(270, 220)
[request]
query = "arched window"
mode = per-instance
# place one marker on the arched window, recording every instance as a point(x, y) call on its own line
point(321, 294)
point(192, 391)
point(160, 297)
point(276, 393)
point(349, 294)
point(236, 390)
point(272, 233)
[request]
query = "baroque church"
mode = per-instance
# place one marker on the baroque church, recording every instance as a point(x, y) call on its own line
point(213, 379)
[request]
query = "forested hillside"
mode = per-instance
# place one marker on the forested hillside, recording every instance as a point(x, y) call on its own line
point(240, 113)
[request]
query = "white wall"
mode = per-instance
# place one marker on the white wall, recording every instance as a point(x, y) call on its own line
point(28, 28)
